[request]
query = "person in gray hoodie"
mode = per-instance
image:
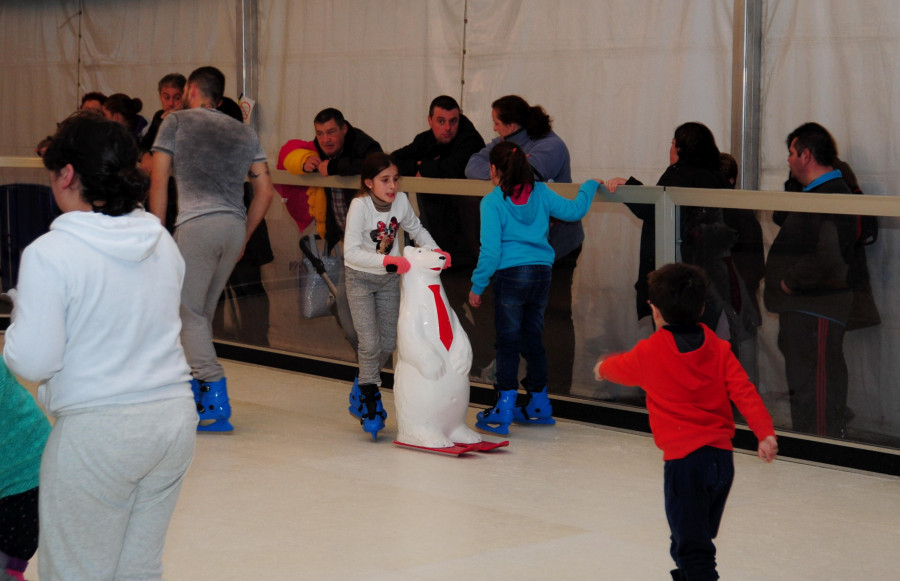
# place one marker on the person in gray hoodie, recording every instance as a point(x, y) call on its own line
point(95, 321)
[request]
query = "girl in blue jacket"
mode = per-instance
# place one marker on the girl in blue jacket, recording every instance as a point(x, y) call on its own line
point(515, 219)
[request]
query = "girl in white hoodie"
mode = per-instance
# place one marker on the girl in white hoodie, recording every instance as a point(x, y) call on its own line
point(96, 322)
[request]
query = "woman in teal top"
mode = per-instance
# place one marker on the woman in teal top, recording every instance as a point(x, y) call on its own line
point(23, 432)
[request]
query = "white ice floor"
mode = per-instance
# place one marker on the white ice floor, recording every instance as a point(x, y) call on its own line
point(300, 492)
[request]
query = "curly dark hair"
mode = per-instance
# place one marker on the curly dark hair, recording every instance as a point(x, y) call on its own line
point(104, 156)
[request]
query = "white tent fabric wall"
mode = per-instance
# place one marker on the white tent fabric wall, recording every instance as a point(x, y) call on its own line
point(125, 47)
point(38, 71)
point(617, 76)
point(380, 63)
point(833, 62)
point(128, 46)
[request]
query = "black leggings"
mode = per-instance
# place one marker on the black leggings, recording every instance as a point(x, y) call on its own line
point(19, 524)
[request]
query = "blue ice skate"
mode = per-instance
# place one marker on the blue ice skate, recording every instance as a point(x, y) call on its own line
point(214, 408)
point(356, 408)
point(497, 419)
point(372, 414)
point(534, 408)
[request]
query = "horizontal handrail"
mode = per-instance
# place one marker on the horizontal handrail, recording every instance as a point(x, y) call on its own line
point(27, 162)
point(789, 201)
point(742, 199)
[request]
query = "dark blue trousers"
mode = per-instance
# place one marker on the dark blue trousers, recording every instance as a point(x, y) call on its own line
point(696, 488)
point(816, 373)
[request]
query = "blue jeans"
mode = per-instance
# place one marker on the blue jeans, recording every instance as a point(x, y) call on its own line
point(520, 298)
point(696, 488)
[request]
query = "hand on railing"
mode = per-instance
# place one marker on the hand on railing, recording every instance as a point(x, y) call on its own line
point(613, 184)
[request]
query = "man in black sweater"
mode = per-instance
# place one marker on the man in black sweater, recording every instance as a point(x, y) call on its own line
point(806, 284)
point(443, 152)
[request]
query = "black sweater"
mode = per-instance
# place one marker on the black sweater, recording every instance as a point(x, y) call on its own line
point(811, 254)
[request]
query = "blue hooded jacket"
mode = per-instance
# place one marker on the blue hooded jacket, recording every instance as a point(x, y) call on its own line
point(513, 235)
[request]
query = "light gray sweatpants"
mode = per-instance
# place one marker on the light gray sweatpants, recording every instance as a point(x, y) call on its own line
point(110, 477)
point(375, 307)
point(210, 246)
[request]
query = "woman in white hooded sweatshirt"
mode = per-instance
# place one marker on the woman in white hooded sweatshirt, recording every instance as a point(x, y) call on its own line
point(96, 322)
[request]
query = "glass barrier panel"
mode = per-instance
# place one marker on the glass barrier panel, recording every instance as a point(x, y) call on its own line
point(803, 298)
point(594, 309)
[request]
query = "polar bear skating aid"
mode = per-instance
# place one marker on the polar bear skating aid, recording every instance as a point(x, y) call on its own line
point(431, 380)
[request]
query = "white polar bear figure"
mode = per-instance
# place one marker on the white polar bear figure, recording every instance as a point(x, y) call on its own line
point(431, 380)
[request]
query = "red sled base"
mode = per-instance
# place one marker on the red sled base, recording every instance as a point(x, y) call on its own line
point(460, 449)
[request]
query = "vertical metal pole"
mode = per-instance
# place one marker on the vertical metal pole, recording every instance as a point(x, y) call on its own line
point(462, 63)
point(78, 88)
point(745, 91)
point(248, 49)
point(666, 234)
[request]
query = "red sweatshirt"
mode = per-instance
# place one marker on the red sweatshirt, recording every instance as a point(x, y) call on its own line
point(688, 393)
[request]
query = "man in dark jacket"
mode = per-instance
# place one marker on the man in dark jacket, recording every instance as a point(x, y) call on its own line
point(443, 152)
point(806, 284)
point(341, 150)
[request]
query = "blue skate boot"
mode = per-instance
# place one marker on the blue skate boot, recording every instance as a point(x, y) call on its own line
point(214, 408)
point(534, 408)
point(371, 411)
point(357, 407)
point(497, 419)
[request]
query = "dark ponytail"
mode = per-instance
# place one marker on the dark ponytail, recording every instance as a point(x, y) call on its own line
point(512, 166)
point(125, 106)
point(104, 155)
point(514, 109)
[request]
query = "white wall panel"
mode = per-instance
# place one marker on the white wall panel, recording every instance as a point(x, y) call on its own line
point(616, 76)
point(38, 70)
point(380, 62)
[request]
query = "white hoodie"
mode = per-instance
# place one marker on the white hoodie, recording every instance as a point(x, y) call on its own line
point(96, 318)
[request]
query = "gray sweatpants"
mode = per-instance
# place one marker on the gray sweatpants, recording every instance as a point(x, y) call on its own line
point(210, 246)
point(375, 307)
point(110, 477)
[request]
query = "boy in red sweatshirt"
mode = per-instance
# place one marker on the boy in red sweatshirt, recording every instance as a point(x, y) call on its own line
point(691, 377)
